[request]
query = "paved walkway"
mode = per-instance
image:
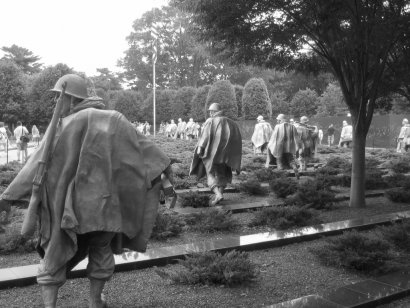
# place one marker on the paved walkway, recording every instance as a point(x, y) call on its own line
point(12, 153)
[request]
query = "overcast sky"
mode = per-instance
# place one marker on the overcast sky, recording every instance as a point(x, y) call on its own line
point(84, 34)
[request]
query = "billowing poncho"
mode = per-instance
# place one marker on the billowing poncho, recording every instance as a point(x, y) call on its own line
point(284, 139)
point(308, 139)
point(261, 134)
point(222, 143)
point(99, 179)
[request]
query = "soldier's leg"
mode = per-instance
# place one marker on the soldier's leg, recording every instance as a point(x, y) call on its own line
point(292, 164)
point(18, 151)
point(100, 266)
point(50, 283)
point(280, 161)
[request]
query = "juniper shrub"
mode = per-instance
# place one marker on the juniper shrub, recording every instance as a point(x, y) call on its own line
point(167, 225)
point(210, 221)
point(194, 199)
point(284, 217)
point(213, 268)
point(368, 252)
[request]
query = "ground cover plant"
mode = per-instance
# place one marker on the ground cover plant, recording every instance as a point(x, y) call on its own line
point(213, 268)
point(252, 186)
point(213, 220)
point(284, 217)
point(194, 199)
point(167, 224)
point(310, 194)
point(283, 186)
point(382, 250)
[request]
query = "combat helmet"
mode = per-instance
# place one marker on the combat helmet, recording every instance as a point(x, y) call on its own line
point(214, 107)
point(76, 86)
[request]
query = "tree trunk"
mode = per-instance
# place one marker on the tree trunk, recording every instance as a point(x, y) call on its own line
point(357, 185)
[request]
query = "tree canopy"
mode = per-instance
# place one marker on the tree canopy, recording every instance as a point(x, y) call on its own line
point(23, 58)
point(181, 60)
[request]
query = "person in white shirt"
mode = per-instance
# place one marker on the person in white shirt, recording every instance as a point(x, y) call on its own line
point(20, 131)
point(346, 135)
point(3, 136)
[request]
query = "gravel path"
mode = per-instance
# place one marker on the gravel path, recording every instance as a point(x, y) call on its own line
point(284, 273)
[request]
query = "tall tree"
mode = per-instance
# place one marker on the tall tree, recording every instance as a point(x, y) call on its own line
point(12, 96)
point(279, 103)
point(304, 103)
point(106, 80)
point(40, 99)
point(331, 102)
point(24, 58)
point(365, 43)
point(181, 60)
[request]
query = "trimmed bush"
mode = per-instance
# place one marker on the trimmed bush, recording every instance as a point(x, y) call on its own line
point(181, 104)
point(396, 180)
point(252, 187)
point(210, 268)
point(198, 103)
point(194, 199)
point(283, 186)
point(167, 225)
point(223, 93)
point(310, 195)
point(356, 251)
point(255, 99)
point(183, 183)
point(264, 174)
point(211, 221)
point(7, 177)
point(284, 217)
point(339, 163)
point(238, 95)
point(374, 179)
point(14, 242)
point(400, 165)
point(398, 194)
point(398, 234)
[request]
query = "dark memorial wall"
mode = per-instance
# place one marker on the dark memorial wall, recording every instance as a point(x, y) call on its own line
point(382, 133)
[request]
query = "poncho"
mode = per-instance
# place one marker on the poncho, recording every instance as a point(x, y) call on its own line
point(261, 134)
point(308, 139)
point(222, 143)
point(284, 139)
point(99, 179)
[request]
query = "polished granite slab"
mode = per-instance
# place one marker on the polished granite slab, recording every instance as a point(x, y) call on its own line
point(243, 207)
point(364, 294)
point(399, 279)
point(18, 276)
point(310, 301)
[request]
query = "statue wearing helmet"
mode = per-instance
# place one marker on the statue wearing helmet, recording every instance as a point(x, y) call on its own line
point(218, 152)
point(308, 138)
point(261, 135)
point(99, 200)
point(403, 141)
point(283, 145)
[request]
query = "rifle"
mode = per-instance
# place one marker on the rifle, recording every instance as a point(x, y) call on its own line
point(30, 219)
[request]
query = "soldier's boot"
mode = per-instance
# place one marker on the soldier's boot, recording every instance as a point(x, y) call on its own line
point(96, 296)
point(218, 196)
point(49, 294)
